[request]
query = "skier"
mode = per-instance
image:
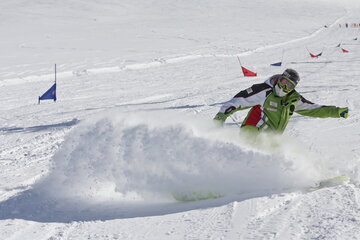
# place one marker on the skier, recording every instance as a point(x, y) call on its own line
point(273, 103)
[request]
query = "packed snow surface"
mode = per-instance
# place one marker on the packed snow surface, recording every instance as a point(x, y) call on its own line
point(138, 83)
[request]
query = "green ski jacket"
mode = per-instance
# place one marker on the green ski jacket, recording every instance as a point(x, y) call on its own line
point(270, 112)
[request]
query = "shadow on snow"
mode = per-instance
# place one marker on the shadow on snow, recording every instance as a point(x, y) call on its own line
point(33, 206)
point(39, 128)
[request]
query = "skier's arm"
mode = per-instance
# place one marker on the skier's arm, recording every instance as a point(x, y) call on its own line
point(250, 97)
point(307, 108)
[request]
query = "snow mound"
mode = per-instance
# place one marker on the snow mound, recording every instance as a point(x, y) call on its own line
point(147, 157)
point(128, 165)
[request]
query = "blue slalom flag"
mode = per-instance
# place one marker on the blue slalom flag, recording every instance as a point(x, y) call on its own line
point(319, 54)
point(338, 45)
point(49, 94)
point(355, 39)
point(278, 64)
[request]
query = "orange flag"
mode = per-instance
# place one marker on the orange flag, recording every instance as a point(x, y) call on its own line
point(247, 72)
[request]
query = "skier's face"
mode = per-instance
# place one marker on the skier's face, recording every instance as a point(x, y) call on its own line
point(286, 84)
point(279, 91)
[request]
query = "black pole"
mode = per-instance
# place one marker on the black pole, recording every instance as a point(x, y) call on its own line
point(55, 84)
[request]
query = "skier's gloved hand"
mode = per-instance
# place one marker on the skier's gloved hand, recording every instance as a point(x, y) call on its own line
point(219, 119)
point(344, 112)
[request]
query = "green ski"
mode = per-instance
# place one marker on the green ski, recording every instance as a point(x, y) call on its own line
point(330, 182)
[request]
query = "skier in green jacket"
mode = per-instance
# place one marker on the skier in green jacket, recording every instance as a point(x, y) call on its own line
point(273, 103)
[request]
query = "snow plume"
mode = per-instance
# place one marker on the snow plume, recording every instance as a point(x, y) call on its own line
point(148, 156)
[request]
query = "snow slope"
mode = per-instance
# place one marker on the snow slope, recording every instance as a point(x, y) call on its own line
point(138, 84)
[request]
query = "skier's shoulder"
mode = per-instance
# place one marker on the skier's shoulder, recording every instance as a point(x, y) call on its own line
point(271, 81)
point(254, 89)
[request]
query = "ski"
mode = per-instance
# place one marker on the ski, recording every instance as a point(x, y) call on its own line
point(330, 182)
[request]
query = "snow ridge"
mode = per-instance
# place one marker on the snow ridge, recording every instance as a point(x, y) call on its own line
point(122, 161)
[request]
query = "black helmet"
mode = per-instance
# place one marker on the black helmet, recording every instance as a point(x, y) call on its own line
point(292, 74)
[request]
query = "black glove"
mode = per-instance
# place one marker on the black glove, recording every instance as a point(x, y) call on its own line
point(344, 112)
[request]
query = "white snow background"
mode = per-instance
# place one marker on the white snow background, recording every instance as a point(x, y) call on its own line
point(138, 85)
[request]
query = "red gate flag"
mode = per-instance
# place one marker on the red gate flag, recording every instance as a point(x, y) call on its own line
point(313, 56)
point(247, 72)
point(344, 50)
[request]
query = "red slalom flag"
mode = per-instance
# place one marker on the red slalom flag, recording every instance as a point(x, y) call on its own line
point(313, 56)
point(247, 72)
point(344, 50)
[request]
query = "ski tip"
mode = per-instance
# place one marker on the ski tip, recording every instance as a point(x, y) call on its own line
point(330, 182)
point(335, 180)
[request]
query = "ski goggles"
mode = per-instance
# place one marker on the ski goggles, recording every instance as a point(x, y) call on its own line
point(286, 84)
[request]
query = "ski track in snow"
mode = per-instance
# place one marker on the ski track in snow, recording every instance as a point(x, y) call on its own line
point(57, 184)
point(159, 62)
